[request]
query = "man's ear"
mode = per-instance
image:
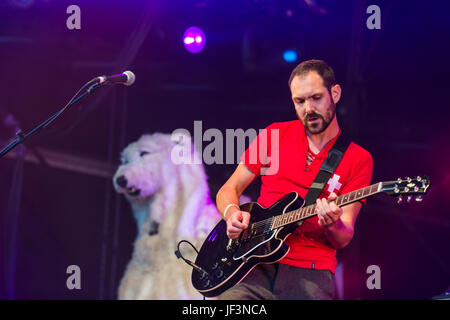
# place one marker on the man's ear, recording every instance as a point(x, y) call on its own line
point(336, 93)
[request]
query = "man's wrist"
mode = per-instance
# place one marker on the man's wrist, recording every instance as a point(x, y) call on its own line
point(336, 226)
point(228, 209)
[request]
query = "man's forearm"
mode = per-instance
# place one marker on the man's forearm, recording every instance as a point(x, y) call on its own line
point(339, 235)
point(226, 196)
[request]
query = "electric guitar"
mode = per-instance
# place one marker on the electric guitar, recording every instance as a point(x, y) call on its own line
point(221, 262)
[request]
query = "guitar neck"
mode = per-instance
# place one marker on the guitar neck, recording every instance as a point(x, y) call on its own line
point(309, 211)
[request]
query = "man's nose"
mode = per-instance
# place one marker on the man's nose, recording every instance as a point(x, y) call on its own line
point(309, 108)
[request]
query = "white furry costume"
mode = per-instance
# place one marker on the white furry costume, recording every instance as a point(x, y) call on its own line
point(170, 202)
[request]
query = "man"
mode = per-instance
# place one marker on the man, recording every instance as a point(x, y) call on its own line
point(307, 271)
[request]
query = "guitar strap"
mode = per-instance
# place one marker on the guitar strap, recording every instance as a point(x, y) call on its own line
point(326, 170)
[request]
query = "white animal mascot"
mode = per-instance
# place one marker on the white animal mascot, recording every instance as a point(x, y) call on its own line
point(170, 201)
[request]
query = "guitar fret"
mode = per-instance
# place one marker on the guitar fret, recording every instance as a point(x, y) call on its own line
point(304, 212)
point(289, 218)
point(366, 192)
point(359, 193)
point(375, 186)
point(308, 211)
point(298, 214)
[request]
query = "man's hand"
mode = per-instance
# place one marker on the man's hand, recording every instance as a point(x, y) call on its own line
point(236, 222)
point(328, 212)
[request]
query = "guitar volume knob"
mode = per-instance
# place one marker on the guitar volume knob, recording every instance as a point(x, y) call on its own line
point(206, 283)
point(219, 273)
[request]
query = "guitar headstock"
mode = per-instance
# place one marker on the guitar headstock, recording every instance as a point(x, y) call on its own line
point(408, 187)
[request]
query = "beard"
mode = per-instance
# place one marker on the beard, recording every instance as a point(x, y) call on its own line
point(322, 122)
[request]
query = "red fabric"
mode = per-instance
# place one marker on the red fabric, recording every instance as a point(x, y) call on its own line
point(309, 247)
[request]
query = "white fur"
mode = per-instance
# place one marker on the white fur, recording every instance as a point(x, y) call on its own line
point(176, 196)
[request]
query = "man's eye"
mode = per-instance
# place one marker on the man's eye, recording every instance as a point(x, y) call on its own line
point(300, 101)
point(143, 153)
point(316, 97)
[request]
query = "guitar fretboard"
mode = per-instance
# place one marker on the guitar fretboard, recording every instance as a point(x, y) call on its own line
point(309, 211)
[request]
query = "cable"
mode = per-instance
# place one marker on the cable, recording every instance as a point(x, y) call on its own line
point(189, 262)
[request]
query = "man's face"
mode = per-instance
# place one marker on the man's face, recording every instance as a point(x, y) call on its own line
point(312, 101)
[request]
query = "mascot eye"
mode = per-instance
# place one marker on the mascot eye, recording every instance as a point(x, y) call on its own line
point(143, 153)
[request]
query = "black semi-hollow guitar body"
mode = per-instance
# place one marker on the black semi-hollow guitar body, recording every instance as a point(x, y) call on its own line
point(224, 264)
point(221, 263)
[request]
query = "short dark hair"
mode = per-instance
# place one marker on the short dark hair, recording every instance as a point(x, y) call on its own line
point(319, 66)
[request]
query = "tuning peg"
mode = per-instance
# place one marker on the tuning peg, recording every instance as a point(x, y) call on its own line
point(409, 199)
point(399, 199)
point(399, 180)
point(419, 198)
point(419, 178)
point(408, 179)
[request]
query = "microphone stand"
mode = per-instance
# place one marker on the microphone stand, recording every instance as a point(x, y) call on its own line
point(12, 214)
point(93, 84)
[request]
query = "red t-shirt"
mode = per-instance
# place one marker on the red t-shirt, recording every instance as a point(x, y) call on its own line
point(283, 168)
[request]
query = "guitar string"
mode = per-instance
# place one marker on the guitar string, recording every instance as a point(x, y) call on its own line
point(267, 224)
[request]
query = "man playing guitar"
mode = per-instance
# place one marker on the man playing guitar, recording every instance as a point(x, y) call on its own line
point(307, 271)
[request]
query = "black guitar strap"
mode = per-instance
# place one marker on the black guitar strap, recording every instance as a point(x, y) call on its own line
point(326, 170)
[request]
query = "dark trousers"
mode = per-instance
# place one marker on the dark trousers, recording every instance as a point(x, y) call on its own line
point(283, 282)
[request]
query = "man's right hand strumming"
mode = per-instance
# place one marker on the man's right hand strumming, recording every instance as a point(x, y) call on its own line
point(237, 221)
point(227, 200)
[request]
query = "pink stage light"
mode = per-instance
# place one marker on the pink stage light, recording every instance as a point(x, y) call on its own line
point(188, 40)
point(194, 39)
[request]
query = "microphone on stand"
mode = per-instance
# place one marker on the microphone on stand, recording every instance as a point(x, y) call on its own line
point(127, 78)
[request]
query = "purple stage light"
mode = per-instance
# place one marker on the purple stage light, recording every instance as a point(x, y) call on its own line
point(194, 39)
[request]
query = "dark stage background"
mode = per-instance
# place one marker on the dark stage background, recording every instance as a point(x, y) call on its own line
point(395, 104)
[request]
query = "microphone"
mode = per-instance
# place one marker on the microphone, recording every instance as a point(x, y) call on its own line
point(127, 78)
